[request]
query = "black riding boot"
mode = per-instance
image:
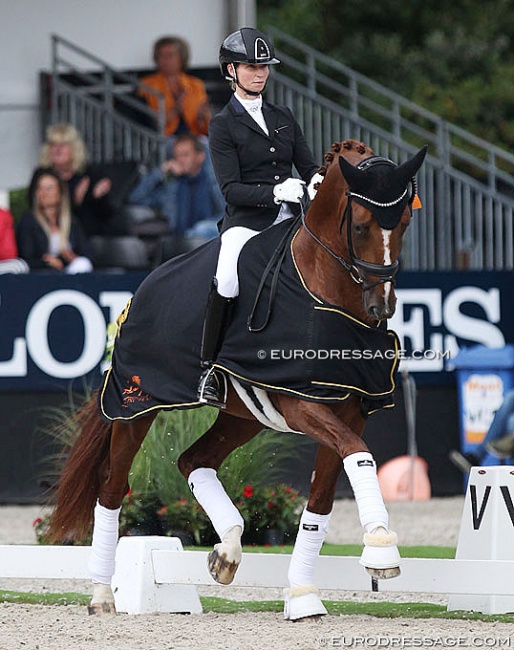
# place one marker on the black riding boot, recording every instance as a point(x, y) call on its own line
point(217, 316)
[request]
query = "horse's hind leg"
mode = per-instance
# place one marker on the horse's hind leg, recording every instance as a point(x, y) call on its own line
point(199, 465)
point(301, 599)
point(126, 439)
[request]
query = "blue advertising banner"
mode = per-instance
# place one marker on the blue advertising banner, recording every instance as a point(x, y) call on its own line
point(440, 313)
point(53, 326)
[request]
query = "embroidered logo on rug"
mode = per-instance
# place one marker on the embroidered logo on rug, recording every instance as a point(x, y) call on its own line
point(365, 463)
point(310, 527)
point(133, 393)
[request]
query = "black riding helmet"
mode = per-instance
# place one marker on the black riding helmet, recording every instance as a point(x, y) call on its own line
point(247, 45)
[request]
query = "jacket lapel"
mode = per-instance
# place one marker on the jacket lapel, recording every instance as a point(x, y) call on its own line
point(242, 115)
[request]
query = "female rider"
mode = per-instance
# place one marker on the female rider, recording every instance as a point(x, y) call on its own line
point(253, 146)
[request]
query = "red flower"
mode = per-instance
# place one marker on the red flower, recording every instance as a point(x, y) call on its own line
point(37, 521)
point(270, 504)
point(248, 491)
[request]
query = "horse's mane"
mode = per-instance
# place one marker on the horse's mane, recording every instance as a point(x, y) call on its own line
point(362, 150)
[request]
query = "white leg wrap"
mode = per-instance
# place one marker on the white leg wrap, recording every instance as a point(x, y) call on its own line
point(312, 531)
point(362, 474)
point(103, 548)
point(211, 495)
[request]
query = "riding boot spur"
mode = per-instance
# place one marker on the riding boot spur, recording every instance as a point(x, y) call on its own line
point(212, 388)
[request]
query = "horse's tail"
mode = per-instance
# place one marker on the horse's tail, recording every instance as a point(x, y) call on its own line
point(79, 482)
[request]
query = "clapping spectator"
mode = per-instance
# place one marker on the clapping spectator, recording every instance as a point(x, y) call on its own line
point(185, 98)
point(183, 189)
point(49, 237)
point(65, 152)
point(9, 260)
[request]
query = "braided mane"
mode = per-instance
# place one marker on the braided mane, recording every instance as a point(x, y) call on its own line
point(336, 147)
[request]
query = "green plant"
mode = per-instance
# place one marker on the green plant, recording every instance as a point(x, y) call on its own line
point(139, 514)
point(186, 515)
point(271, 507)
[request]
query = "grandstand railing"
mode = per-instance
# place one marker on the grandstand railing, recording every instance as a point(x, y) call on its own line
point(465, 185)
point(102, 102)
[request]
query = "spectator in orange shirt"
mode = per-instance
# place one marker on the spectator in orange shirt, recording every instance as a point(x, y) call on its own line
point(186, 102)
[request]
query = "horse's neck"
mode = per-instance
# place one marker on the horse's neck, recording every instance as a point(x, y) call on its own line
point(323, 275)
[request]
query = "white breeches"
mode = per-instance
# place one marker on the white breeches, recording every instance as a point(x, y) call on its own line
point(232, 241)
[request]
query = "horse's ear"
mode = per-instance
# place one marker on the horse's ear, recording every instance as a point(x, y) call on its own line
point(407, 170)
point(351, 174)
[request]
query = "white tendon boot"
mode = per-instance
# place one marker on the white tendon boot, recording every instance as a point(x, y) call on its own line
point(301, 599)
point(224, 560)
point(380, 556)
point(102, 559)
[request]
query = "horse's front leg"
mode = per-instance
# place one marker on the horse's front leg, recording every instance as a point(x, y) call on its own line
point(199, 465)
point(324, 423)
point(126, 439)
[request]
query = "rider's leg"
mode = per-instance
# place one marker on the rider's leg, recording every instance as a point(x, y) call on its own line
point(225, 288)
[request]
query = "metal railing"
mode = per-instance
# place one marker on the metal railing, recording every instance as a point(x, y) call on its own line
point(465, 185)
point(101, 102)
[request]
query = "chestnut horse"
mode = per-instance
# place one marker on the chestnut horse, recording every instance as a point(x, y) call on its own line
point(346, 253)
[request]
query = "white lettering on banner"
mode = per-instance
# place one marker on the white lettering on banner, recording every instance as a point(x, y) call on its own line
point(16, 366)
point(94, 334)
point(447, 314)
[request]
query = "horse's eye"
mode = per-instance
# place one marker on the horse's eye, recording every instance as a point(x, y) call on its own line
point(360, 229)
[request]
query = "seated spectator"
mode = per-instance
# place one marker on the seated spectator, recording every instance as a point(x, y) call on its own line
point(185, 98)
point(65, 152)
point(183, 189)
point(498, 441)
point(9, 260)
point(50, 237)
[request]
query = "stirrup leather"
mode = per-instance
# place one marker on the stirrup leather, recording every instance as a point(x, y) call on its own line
point(213, 388)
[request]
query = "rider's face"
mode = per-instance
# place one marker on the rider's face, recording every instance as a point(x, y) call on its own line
point(252, 77)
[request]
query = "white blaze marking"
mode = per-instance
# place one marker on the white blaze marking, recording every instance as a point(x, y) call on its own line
point(386, 236)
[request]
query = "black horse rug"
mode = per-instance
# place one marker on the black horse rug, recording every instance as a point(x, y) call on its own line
point(282, 338)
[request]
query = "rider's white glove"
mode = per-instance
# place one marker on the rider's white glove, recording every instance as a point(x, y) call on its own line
point(290, 190)
point(317, 178)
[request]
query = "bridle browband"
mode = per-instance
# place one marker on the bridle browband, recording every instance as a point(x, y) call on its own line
point(357, 267)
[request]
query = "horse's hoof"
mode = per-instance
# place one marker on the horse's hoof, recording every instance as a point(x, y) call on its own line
point(222, 570)
point(380, 556)
point(384, 574)
point(101, 609)
point(303, 604)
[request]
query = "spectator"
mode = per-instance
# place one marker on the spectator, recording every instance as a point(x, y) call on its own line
point(499, 440)
point(49, 237)
point(183, 189)
point(185, 98)
point(9, 260)
point(65, 152)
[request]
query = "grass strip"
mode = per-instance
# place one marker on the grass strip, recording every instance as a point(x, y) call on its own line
point(335, 608)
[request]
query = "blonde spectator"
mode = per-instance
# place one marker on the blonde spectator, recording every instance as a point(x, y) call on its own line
point(65, 152)
point(50, 237)
point(185, 98)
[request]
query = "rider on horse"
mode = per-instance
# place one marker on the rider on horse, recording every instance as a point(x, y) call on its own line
point(253, 145)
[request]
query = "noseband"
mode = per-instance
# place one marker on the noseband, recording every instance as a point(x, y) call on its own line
point(358, 268)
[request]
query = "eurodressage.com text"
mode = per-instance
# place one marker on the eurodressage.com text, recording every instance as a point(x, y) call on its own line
point(349, 354)
point(414, 642)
